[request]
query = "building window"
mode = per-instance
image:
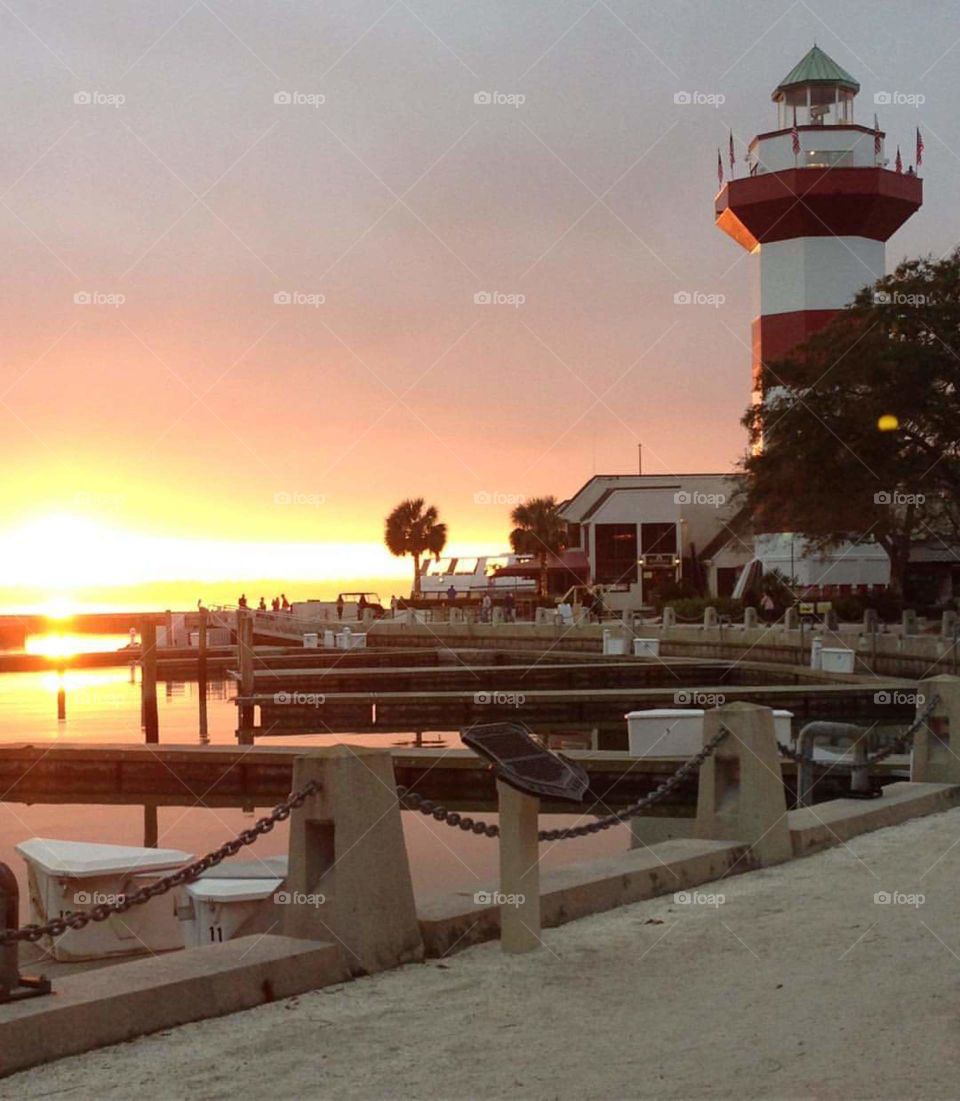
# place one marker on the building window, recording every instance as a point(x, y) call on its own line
point(615, 559)
point(658, 538)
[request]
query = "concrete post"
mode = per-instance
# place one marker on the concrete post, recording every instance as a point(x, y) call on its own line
point(519, 870)
point(936, 745)
point(669, 617)
point(948, 624)
point(791, 619)
point(368, 617)
point(349, 878)
point(497, 615)
point(749, 618)
point(909, 622)
point(741, 795)
point(710, 618)
point(870, 620)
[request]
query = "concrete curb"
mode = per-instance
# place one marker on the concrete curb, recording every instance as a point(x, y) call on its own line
point(113, 1004)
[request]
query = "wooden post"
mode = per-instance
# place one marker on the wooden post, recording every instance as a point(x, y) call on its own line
point(202, 675)
point(519, 870)
point(150, 826)
point(245, 656)
point(148, 684)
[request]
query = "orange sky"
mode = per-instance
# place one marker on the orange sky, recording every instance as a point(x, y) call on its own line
point(248, 327)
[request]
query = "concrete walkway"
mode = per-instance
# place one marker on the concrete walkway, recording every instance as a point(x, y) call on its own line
point(797, 984)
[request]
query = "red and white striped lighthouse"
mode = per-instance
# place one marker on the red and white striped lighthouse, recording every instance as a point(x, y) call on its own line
point(817, 207)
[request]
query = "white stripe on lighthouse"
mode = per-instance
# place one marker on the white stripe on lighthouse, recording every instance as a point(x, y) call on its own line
point(816, 273)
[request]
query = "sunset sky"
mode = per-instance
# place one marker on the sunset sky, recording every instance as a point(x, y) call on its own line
point(166, 414)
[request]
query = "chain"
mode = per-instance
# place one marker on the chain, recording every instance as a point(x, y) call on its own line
point(413, 801)
point(904, 741)
point(182, 876)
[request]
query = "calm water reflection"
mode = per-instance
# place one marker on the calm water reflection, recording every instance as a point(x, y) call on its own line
point(103, 705)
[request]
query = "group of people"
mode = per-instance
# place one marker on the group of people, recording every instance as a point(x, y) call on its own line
point(278, 604)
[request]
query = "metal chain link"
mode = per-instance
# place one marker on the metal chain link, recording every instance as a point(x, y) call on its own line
point(904, 741)
point(452, 818)
point(188, 874)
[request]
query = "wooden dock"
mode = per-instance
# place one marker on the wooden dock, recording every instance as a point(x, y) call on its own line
point(226, 776)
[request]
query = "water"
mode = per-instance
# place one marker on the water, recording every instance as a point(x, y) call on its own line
point(103, 706)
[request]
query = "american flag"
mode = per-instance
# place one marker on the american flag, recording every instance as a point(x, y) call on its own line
point(877, 143)
point(733, 156)
point(795, 135)
point(898, 164)
point(719, 169)
point(919, 147)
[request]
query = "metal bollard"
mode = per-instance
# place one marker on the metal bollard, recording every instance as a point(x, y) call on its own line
point(13, 985)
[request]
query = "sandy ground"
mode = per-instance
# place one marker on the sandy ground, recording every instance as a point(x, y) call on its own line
point(798, 984)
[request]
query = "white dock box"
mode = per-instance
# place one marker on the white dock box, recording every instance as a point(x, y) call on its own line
point(837, 660)
point(232, 900)
point(646, 647)
point(329, 639)
point(310, 640)
point(678, 731)
point(67, 877)
point(613, 644)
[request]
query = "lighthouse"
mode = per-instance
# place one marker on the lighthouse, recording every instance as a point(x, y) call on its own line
point(816, 207)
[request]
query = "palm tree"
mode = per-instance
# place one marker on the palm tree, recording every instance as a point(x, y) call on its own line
point(413, 529)
point(539, 531)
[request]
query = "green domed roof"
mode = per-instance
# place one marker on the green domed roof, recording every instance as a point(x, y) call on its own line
point(816, 68)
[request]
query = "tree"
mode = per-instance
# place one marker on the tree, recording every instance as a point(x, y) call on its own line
point(539, 531)
point(415, 530)
point(858, 432)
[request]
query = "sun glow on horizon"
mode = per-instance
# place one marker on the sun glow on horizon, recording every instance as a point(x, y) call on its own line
point(62, 556)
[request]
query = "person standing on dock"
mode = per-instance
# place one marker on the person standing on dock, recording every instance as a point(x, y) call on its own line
point(510, 609)
point(486, 607)
point(262, 606)
point(284, 603)
point(361, 605)
point(242, 602)
point(275, 604)
point(451, 595)
point(340, 606)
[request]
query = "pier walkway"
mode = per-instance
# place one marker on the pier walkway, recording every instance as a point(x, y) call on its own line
point(798, 984)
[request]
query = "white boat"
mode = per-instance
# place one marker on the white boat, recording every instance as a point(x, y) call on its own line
point(474, 576)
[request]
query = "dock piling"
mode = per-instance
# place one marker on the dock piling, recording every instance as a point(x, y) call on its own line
point(148, 685)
